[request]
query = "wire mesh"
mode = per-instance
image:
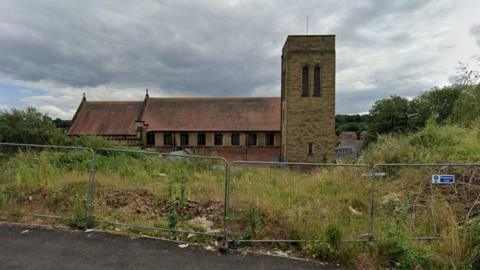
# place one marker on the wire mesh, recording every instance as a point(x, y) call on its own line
point(170, 194)
point(409, 200)
point(44, 181)
point(294, 202)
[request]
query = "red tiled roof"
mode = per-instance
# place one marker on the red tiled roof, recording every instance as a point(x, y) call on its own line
point(106, 118)
point(213, 114)
point(178, 114)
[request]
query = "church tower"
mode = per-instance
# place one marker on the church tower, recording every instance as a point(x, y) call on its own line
point(308, 99)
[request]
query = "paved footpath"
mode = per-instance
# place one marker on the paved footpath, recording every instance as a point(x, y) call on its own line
point(56, 249)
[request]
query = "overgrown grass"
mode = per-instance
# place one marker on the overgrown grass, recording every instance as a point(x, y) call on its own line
point(329, 205)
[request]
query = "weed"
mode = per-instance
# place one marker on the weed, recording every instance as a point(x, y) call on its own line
point(398, 251)
point(79, 218)
point(333, 236)
point(172, 212)
point(254, 223)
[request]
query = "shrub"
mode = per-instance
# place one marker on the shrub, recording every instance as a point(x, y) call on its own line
point(333, 236)
point(28, 126)
point(397, 250)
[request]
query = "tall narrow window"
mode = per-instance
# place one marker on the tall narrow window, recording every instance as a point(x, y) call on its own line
point(150, 138)
point(283, 85)
point(317, 82)
point(168, 139)
point(305, 81)
point(183, 138)
point(252, 139)
point(310, 149)
point(269, 139)
point(235, 139)
point(201, 139)
point(218, 139)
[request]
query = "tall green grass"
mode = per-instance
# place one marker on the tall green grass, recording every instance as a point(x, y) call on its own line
point(327, 204)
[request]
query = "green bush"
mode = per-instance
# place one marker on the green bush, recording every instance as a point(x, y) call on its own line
point(333, 236)
point(433, 144)
point(398, 251)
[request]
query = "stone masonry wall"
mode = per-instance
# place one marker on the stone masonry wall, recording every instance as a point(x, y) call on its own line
point(308, 119)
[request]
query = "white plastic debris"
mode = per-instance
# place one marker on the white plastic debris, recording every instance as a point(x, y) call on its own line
point(183, 246)
point(210, 248)
point(26, 231)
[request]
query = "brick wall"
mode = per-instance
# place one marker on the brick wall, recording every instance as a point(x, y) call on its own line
point(259, 152)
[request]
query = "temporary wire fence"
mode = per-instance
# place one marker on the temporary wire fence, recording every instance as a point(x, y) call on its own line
point(240, 202)
point(33, 178)
point(167, 193)
point(275, 202)
point(427, 200)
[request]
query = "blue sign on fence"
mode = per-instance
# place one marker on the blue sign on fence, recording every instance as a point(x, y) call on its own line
point(443, 179)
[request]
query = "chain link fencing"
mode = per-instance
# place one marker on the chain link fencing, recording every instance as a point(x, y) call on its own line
point(165, 193)
point(241, 202)
point(275, 202)
point(45, 181)
point(428, 201)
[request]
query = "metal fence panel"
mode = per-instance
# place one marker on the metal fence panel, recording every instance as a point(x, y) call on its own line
point(171, 194)
point(294, 202)
point(45, 181)
point(410, 198)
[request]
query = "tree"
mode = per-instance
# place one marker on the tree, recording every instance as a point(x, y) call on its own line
point(467, 109)
point(28, 126)
point(387, 116)
point(63, 124)
point(437, 104)
point(345, 122)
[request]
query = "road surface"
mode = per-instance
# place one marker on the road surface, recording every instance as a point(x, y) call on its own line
point(38, 248)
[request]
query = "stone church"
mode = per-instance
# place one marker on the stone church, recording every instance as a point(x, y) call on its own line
point(298, 126)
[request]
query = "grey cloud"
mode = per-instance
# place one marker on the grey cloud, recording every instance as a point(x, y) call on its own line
point(209, 48)
point(475, 31)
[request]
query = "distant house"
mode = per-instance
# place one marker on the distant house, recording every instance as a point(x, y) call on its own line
point(349, 148)
point(347, 135)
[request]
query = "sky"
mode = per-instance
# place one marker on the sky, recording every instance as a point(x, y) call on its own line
point(51, 52)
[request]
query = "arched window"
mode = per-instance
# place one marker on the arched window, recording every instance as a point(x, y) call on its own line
point(317, 82)
point(305, 81)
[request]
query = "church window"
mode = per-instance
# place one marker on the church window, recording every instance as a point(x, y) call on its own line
point(310, 149)
point(269, 139)
point(201, 139)
point(305, 81)
point(150, 138)
point(317, 83)
point(183, 138)
point(168, 138)
point(235, 140)
point(252, 139)
point(218, 139)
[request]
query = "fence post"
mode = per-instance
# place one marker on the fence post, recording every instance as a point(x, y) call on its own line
point(225, 204)
point(91, 180)
point(372, 207)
